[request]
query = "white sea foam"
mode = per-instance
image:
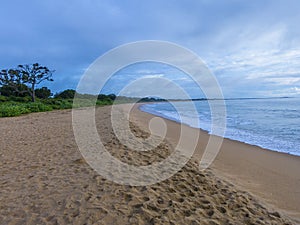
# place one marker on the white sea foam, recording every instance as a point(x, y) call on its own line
point(269, 123)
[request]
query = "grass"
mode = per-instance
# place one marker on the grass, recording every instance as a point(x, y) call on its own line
point(16, 108)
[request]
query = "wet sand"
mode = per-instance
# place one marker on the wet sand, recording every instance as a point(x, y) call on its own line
point(272, 176)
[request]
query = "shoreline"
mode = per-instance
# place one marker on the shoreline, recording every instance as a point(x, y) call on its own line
point(272, 176)
point(202, 130)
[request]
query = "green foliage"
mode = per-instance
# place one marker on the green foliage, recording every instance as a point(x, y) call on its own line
point(8, 110)
point(151, 99)
point(59, 103)
point(37, 107)
point(19, 99)
point(22, 81)
point(18, 90)
point(11, 78)
point(15, 106)
point(104, 102)
point(3, 98)
point(69, 93)
point(110, 97)
point(43, 93)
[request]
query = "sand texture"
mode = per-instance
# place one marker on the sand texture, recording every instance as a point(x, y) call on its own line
point(273, 177)
point(45, 180)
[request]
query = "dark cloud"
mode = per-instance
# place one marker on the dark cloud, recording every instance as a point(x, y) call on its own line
point(69, 35)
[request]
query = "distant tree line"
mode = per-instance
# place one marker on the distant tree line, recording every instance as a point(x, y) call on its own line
point(70, 93)
point(20, 84)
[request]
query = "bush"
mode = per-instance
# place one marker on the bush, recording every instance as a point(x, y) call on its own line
point(24, 105)
point(104, 102)
point(9, 109)
point(12, 110)
point(20, 90)
point(43, 93)
point(3, 98)
point(20, 99)
point(38, 107)
point(66, 94)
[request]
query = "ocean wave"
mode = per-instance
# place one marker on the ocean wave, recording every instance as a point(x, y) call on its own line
point(278, 131)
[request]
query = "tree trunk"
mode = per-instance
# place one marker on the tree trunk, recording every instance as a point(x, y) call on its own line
point(32, 93)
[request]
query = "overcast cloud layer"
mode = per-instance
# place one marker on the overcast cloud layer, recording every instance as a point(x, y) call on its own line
point(253, 47)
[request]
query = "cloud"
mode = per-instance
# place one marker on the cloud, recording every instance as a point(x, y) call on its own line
point(250, 46)
point(153, 76)
point(284, 81)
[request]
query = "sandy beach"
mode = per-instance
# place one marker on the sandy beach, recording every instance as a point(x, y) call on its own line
point(272, 176)
point(45, 179)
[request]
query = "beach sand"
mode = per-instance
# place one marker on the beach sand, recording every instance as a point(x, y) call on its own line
point(45, 180)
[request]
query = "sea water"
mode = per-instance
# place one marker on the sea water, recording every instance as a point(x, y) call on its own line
point(273, 123)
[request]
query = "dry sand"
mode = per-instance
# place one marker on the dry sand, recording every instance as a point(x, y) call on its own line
point(45, 180)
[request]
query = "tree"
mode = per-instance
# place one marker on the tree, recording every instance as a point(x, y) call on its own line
point(112, 97)
point(33, 75)
point(43, 92)
point(29, 75)
point(12, 83)
point(102, 97)
point(20, 90)
point(66, 94)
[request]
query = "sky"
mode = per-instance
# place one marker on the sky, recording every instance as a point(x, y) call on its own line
point(251, 47)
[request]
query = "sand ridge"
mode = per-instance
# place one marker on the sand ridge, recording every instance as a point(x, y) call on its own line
point(45, 180)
